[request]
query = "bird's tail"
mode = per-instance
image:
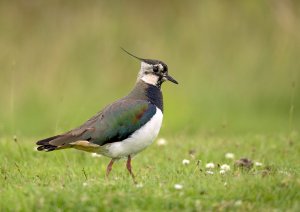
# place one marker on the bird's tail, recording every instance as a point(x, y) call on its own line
point(45, 144)
point(55, 143)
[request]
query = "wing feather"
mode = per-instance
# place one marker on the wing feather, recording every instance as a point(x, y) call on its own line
point(114, 123)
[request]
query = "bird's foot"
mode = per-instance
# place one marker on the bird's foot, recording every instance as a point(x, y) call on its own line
point(109, 168)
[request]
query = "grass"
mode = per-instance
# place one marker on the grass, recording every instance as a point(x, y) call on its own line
point(73, 180)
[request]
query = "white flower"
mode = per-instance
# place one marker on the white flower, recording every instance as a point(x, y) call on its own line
point(222, 171)
point(85, 184)
point(225, 167)
point(210, 165)
point(238, 203)
point(96, 155)
point(161, 142)
point(229, 155)
point(210, 172)
point(139, 185)
point(185, 162)
point(258, 164)
point(178, 186)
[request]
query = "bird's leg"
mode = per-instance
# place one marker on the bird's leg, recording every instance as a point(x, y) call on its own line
point(128, 165)
point(109, 167)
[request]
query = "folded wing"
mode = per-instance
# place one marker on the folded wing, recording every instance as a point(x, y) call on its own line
point(115, 123)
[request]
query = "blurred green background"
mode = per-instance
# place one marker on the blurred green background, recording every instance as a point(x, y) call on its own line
point(237, 63)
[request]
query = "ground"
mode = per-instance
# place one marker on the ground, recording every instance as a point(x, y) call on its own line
point(74, 180)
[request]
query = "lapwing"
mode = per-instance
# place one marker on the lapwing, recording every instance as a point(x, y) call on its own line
point(125, 127)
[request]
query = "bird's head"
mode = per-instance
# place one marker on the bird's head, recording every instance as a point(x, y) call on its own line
point(153, 72)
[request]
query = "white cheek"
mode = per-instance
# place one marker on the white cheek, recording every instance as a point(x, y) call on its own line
point(150, 79)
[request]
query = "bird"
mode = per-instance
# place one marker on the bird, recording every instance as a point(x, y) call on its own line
point(125, 127)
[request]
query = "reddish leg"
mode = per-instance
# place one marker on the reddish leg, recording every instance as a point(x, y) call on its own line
point(128, 165)
point(109, 167)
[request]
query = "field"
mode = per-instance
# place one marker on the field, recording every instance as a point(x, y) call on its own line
point(72, 180)
point(238, 70)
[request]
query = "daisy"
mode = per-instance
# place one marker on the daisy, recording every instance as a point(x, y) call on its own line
point(96, 155)
point(229, 155)
point(258, 164)
point(178, 186)
point(161, 142)
point(185, 162)
point(210, 165)
point(210, 172)
point(222, 171)
point(225, 167)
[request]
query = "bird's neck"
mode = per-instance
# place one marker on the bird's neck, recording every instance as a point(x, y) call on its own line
point(148, 92)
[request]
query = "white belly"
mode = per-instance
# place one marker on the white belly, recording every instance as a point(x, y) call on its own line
point(138, 140)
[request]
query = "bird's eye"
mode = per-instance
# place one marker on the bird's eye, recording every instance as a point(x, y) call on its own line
point(155, 69)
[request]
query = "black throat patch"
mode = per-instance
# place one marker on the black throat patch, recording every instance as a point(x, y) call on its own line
point(154, 95)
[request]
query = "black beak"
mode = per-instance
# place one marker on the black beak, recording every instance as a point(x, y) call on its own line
point(171, 79)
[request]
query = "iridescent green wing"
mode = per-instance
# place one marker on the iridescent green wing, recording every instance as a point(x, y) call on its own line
point(118, 121)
